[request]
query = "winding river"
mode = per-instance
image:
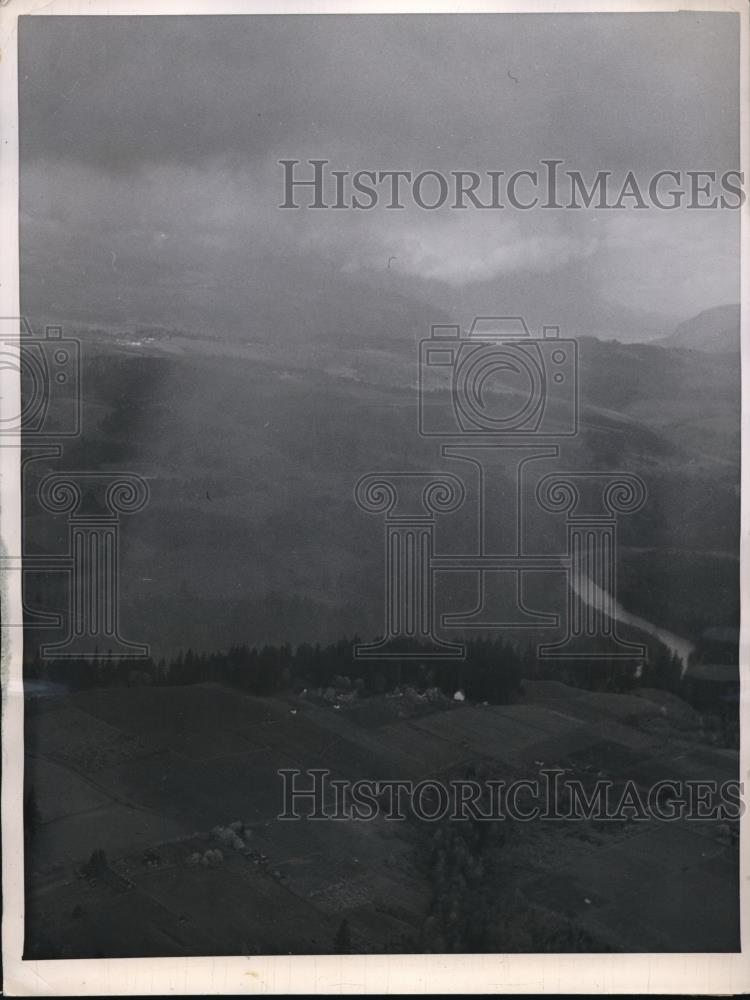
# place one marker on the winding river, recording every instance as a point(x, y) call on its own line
point(675, 643)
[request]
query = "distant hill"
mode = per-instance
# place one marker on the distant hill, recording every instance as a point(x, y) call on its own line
point(714, 331)
point(252, 448)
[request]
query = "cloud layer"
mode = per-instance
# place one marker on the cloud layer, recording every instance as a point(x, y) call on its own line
point(150, 153)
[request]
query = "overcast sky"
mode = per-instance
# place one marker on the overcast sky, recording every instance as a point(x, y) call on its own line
point(150, 148)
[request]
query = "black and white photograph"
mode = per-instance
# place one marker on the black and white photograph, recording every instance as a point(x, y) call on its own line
point(370, 440)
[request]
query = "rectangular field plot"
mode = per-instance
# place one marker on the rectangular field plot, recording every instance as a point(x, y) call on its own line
point(489, 733)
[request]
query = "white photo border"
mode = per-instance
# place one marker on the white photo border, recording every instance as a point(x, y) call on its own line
point(333, 974)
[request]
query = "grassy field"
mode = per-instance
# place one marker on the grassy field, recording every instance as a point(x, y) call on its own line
point(145, 774)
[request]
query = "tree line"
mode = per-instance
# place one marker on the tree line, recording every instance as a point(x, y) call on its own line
point(492, 670)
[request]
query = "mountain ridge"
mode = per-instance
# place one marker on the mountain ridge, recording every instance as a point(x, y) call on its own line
point(714, 330)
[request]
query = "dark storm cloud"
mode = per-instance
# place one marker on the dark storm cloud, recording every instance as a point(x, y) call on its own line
point(150, 181)
point(605, 91)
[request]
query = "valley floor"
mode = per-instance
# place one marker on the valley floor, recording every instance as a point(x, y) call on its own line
point(145, 774)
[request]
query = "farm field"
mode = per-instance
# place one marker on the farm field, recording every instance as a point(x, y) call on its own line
point(147, 774)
